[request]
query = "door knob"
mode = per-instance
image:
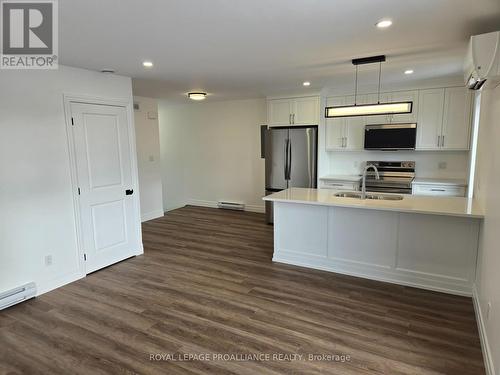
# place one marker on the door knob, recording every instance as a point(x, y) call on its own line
point(129, 192)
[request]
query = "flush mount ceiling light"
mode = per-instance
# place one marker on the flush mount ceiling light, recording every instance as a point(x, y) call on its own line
point(409, 71)
point(197, 95)
point(306, 83)
point(383, 24)
point(147, 64)
point(368, 109)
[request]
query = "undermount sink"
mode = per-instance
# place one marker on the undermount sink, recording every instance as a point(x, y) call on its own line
point(385, 197)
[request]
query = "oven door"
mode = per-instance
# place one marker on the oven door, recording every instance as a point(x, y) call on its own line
point(390, 137)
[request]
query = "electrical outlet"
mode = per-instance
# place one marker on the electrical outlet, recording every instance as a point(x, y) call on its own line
point(442, 165)
point(48, 260)
point(488, 311)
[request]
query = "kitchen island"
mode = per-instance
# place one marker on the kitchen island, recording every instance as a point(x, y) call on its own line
point(421, 241)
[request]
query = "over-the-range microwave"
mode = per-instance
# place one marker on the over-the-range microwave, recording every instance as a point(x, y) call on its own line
point(390, 137)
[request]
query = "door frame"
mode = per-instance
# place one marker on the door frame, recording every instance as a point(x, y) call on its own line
point(69, 98)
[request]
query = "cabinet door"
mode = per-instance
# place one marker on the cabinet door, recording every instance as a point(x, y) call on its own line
point(306, 111)
point(373, 99)
point(430, 119)
point(335, 127)
point(279, 112)
point(405, 96)
point(354, 131)
point(457, 119)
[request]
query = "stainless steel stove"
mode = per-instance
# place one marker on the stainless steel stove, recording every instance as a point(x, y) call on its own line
point(395, 176)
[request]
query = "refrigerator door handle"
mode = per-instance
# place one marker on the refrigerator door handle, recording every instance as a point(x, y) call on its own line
point(289, 160)
point(285, 164)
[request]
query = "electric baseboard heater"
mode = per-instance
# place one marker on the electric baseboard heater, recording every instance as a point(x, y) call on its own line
point(231, 205)
point(17, 295)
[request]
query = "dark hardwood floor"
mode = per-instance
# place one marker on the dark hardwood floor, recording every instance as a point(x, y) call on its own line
point(206, 284)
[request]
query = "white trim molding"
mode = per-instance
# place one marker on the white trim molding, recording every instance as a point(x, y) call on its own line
point(487, 356)
point(152, 215)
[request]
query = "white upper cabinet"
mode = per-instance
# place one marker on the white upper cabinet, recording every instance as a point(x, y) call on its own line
point(306, 111)
point(405, 96)
point(457, 119)
point(335, 127)
point(354, 131)
point(430, 119)
point(345, 133)
point(293, 111)
point(279, 112)
point(444, 119)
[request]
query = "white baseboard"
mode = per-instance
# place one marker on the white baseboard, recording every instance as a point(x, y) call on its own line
point(213, 204)
point(151, 215)
point(372, 272)
point(174, 208)
point(47, 286)
point(488, 359)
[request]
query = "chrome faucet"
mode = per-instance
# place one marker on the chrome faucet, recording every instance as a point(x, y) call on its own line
point(363, 185)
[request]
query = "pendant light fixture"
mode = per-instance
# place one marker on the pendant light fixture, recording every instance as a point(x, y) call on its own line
point(378, 108)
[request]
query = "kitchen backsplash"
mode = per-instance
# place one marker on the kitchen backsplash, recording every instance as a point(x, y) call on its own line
point(440, 164)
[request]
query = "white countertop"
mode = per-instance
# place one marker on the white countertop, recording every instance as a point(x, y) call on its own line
point(448, 206)
point(341, 177)
point(439, 181)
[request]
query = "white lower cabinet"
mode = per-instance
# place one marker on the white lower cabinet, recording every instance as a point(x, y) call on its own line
point(438, 190)
point(427, 251)
point(339, 185)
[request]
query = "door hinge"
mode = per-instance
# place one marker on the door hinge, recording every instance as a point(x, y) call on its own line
point(78, 191)
point(85, 257)
point(72, 121)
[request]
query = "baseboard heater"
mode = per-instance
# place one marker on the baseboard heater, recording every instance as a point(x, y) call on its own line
point(17, 295)
point(231, 205)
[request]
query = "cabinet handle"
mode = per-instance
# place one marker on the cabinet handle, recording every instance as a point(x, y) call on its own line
point(442, 141)
point(293, 118)
point(439, 140)
point(290, 119)
point(438, 190)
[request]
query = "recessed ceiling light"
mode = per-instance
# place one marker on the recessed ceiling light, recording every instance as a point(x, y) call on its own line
point(382, 24)
point(306, 83)
point(197, 95)
point(147, 64)
point(409, 71)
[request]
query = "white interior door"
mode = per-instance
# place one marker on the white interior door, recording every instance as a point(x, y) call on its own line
point(104, 171)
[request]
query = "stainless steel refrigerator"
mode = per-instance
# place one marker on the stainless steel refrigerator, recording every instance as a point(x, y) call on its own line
point(291, 159)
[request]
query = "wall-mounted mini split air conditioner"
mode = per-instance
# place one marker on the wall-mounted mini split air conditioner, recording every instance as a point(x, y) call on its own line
point(482, 64)
point(17, 295)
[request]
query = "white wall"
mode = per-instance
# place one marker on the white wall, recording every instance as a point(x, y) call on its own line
point(36, 198)
point(148, 157)
point(211, 151)
point(487, 190)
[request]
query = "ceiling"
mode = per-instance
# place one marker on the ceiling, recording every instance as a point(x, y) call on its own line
point(254, 48)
